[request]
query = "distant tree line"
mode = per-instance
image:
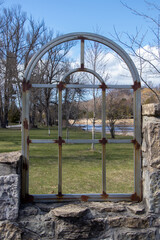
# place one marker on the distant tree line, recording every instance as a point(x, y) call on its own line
point(20, 38)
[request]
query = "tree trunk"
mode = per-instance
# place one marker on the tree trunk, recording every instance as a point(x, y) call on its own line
point(112, 129)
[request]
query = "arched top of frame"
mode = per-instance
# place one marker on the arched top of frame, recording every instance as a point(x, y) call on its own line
point(82, 70)
point(85, 36)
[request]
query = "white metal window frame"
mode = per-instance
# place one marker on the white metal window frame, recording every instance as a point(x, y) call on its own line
point(103, 196)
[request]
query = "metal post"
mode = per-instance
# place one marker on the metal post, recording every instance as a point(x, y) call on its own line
point(25, 136)
point(60, 145)
point(103, 137)
point(23, 192)
point(137, 146)
point(82, 53)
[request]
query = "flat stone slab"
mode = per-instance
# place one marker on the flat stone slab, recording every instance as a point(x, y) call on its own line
point(70, 211)
point(10, 157)
point(9, 163)
point(109, 207)
point(151, 109)
point(136, 209)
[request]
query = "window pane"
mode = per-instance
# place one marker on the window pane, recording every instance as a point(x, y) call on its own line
point(81, 169)
point(43, 171)
point(119, 113)
point(119, 168)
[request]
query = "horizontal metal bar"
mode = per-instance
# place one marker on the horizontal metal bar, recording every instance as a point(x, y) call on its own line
point(42, 141)
point(119, 140)
point(80, 141)
point(96, 86)
point(44, 85)
point(119, 86)
point(83, 197)
point(81, 86)
point(74, 141)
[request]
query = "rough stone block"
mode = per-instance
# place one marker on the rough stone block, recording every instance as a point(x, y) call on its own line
point(136, 209)
point(70, 211)
point(37, 228)
point(151, 189)
point(151, 144)
point(10, 231)
point(109, 207)
point(9, 197)
point(129, 222)
point(136, 235)
point(9, 163)
point(151, 109)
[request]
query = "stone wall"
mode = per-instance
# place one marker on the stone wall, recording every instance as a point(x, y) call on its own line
point(9, 185)
point(86, 220)
point(151, 156)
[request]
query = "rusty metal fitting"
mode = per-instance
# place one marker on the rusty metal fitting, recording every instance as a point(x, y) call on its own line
point(135, 197)
point(103, 86)
point(25, 124)
point(137, 145)
point(136, 85)
point(61, 86)
point(84, 198)
point(104, 195)
point(60, 141)
point(82, 66)
point(26, 85)
point(25, 166)
point(103, 141)
point(28, 141)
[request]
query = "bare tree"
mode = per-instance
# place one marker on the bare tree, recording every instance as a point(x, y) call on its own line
point(12, 32)
point(95, 60)
point(148, 56)
point(17, 47)
point(119, 106)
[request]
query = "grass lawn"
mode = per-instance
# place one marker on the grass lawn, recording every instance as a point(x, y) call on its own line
point(81, 167)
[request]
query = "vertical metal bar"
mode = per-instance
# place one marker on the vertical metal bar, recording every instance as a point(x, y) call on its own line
point(23, 191)
point(26, 141)
point(137, 136)
point(25, 146)
point(60, 145)
point(103, 145)
point(82, 53)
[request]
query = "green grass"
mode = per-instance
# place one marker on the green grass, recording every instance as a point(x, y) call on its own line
point(81, 167)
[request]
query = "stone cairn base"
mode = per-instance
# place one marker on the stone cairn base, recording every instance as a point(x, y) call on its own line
point(86, 220)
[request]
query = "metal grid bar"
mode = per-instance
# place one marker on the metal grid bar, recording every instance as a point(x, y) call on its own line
point(80, 141)
point(96, 86)
point(103, 137)
point(82, 197)
point(42, 141)
point(25, 146)
point(37, 85)
point(60, 145)
point(119, 141)
point(82, 53)
point(24, 141)
point(137, 150)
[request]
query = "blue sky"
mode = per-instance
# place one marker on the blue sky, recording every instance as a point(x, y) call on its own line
point(66, 16)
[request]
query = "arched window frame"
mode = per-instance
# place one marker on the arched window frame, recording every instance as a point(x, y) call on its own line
point(103, 196)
